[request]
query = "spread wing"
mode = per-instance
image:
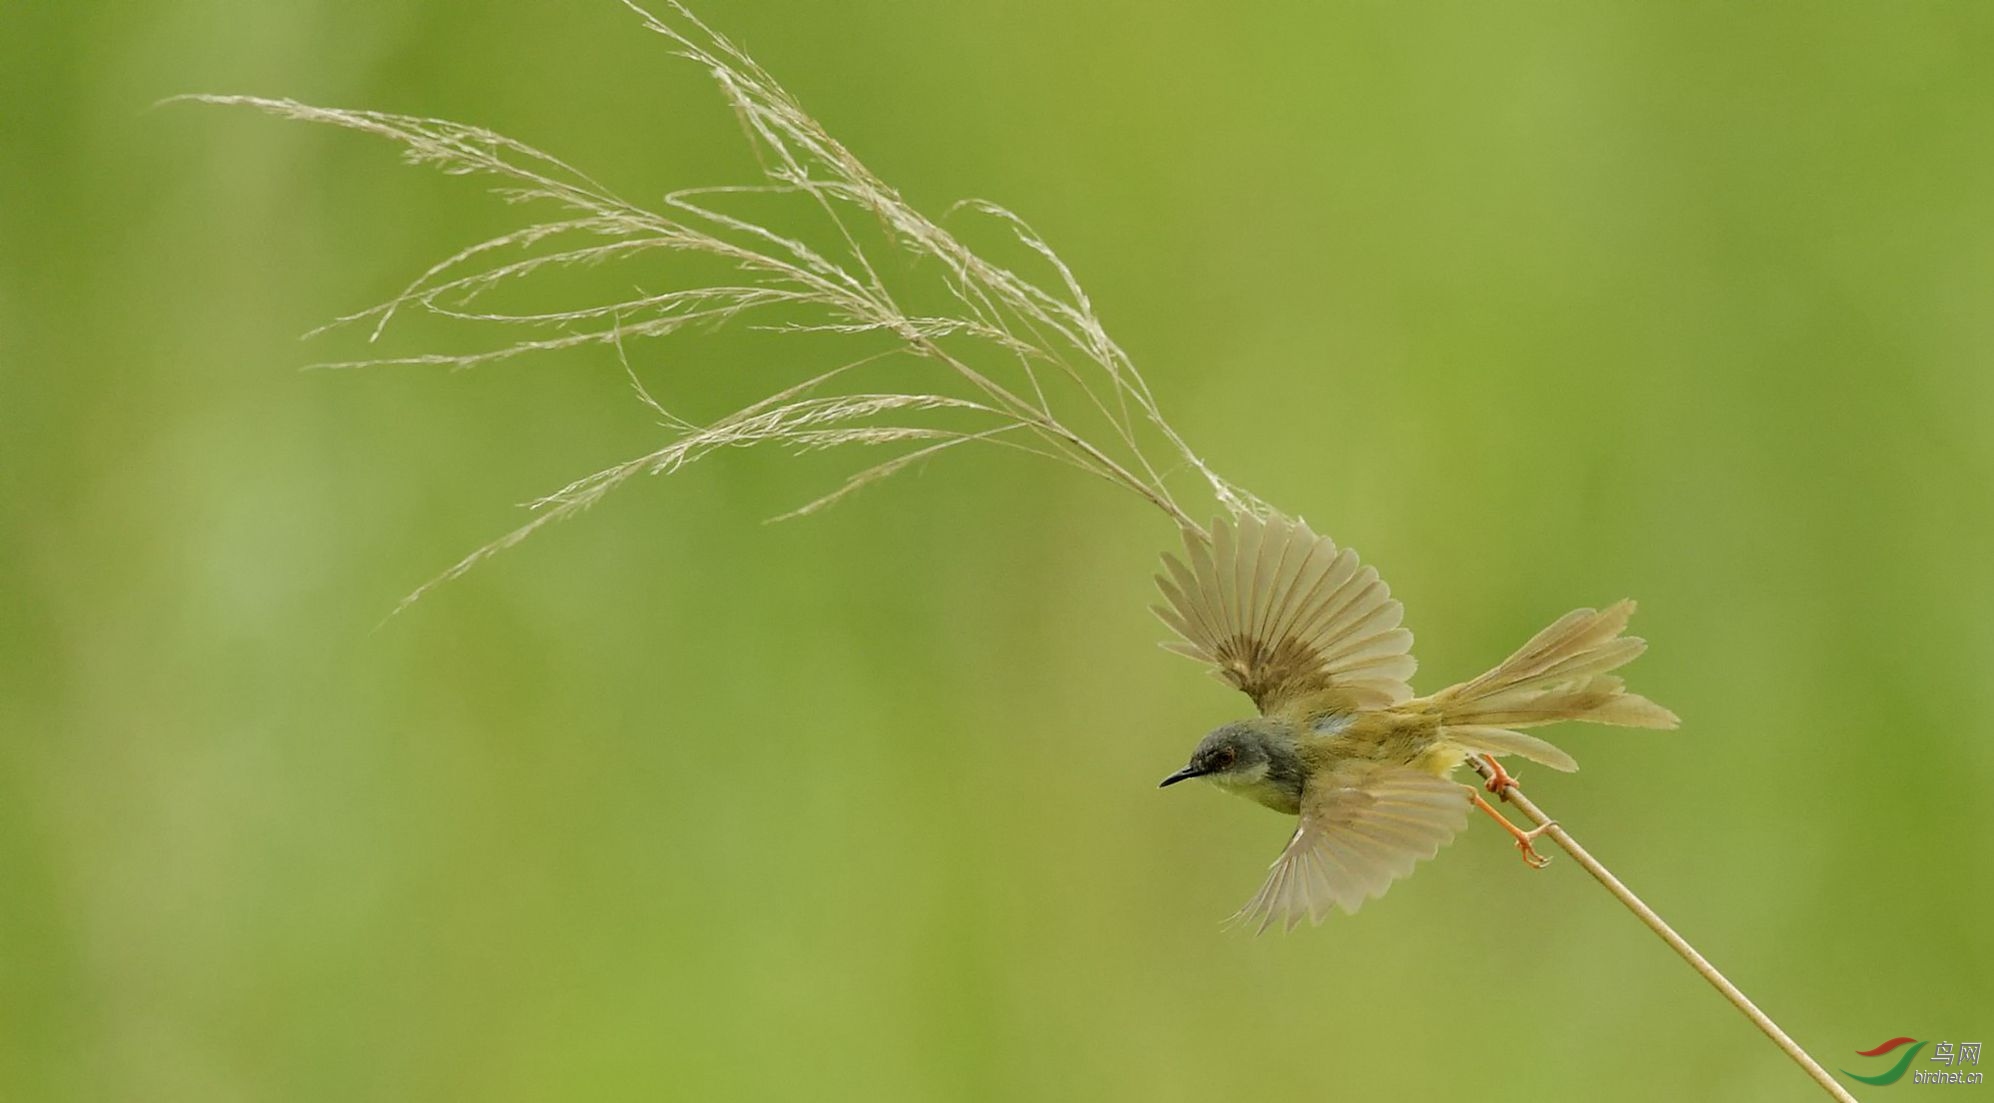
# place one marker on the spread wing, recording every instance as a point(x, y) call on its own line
point(1362, 827)
point(1281, 614)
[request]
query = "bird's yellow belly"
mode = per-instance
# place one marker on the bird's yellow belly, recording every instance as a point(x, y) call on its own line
point(1440, 759)
point(1264, 792)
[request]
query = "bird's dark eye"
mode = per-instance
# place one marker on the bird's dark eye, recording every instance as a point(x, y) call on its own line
point(1226, 757)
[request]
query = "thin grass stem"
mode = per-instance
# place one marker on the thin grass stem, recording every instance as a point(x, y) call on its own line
point(1557, 834)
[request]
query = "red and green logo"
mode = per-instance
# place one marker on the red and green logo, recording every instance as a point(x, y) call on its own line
point(1895, 1072)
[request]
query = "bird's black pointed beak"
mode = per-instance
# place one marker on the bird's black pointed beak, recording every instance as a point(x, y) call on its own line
point(1181, 775)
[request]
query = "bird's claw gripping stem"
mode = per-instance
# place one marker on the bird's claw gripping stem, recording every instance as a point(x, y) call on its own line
point(1501, 781)
point(1523, 838)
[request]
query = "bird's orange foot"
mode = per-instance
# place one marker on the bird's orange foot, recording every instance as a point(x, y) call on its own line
point(1500, 780)
point(1523, 838)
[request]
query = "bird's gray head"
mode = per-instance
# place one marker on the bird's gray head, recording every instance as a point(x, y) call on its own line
point(1255, 758)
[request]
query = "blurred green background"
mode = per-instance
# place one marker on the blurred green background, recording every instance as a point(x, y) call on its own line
point(1536, 305)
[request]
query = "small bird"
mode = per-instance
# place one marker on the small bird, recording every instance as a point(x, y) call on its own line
point(1314, 639)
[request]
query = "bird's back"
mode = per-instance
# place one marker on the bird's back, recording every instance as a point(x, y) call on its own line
point(1406, 735)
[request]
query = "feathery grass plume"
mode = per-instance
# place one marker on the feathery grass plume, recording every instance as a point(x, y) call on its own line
point(1021, 363)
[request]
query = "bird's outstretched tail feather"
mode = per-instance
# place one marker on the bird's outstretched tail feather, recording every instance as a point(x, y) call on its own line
point(1561, 674)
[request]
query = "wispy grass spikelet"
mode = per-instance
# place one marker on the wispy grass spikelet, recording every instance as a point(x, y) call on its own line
point(1022, 363)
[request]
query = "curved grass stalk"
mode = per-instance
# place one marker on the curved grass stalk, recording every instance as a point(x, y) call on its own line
point(1033, 332)
point(1653, 921)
